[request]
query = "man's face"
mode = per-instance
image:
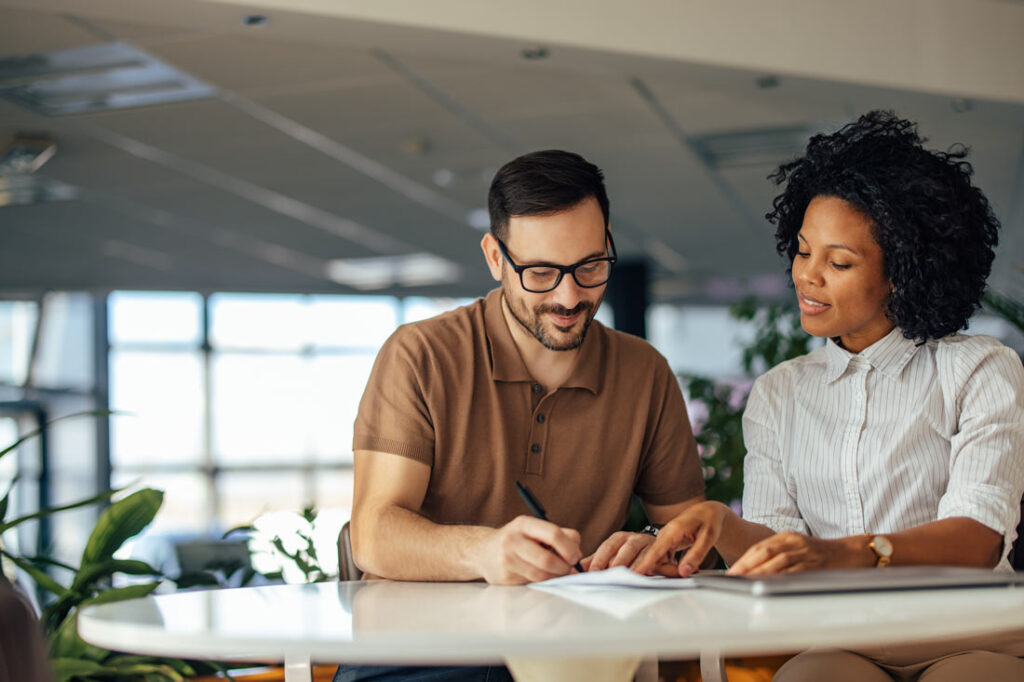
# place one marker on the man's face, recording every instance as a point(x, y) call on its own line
point(559, 318)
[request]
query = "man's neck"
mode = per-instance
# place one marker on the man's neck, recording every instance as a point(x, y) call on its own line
point(550, 368)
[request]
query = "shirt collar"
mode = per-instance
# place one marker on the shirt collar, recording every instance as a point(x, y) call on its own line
point(889, 355)
point(507, 364)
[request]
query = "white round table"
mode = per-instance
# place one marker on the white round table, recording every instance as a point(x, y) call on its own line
point(384, 622)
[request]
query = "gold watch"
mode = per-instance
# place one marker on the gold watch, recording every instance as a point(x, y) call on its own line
point(882, 547)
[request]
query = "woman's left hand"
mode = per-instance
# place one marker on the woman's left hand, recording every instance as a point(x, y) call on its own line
point(789, 552)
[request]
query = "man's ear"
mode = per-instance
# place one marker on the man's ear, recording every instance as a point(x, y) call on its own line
point(492, 255)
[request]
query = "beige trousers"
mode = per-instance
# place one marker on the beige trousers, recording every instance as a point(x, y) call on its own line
point(993, 658)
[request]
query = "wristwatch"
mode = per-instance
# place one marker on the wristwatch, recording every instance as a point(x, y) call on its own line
point(882, 547)
point(650, 529)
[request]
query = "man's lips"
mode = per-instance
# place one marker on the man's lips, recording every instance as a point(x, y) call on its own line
point(565, 321)
point(811, 306)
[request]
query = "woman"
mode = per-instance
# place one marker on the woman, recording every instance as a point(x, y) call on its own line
point(899, 441)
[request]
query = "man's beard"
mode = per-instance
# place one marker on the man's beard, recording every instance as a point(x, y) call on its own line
point(536, 326)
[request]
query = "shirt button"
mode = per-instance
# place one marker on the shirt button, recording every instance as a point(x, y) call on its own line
point(540, 418)
point(537, 388)
point(535, 448)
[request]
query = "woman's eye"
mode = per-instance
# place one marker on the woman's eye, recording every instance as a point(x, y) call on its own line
point(841, 266)
point(803, 254)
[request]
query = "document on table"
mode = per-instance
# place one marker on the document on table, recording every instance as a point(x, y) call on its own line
point(618, 591)
point(620, 576)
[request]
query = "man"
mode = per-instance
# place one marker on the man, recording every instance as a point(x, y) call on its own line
point(521, 386)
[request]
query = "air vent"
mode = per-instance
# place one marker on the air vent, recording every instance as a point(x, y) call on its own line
point(94, 78)
point(763, 147)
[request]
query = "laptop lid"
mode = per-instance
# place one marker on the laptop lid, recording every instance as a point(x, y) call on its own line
point(860, 580)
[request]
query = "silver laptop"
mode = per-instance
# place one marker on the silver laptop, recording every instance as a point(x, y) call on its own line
point(860, 580)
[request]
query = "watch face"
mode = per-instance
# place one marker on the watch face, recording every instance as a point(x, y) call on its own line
point(882, 545)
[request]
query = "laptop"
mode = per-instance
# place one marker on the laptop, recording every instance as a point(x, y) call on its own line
point(860, 580)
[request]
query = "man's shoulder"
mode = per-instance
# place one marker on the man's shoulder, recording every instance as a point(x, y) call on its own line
point(451, 329)
point(629, 349)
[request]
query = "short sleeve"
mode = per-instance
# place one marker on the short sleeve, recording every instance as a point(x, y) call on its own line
point(670, 469)
point(766, 497)
point(986, 478)
point(394, 415)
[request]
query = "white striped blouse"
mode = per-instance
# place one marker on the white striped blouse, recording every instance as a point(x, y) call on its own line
point(893, 437)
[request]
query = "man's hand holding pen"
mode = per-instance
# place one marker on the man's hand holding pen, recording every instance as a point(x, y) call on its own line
point(526, 550)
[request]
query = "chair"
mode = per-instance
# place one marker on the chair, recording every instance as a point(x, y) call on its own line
point(347, 569)
point(22, 653)
point(1017, 551)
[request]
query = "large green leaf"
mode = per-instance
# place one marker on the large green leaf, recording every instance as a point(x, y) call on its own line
point(49, 511)
point(121, 593)
point(65, 669)
point(87, 576)
point(32, 434)
point(3, 502)
point(66, 643)
point(37, 574)
point(135, 671)
point(118, 522)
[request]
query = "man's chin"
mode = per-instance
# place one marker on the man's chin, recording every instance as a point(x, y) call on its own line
point(564, 338)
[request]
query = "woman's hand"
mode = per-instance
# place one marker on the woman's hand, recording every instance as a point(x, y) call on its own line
point(621, 549)
point(698, 528)
point(790, 552)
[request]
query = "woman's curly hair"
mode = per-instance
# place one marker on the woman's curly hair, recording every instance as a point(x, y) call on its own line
point(936, 230)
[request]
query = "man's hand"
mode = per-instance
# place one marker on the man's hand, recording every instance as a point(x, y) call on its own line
point(527, 549)
point(792, 552)
point(621, 549)
point(697, 528)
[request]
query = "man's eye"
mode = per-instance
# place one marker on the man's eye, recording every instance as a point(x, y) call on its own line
point(588, 267)
point(542, 272)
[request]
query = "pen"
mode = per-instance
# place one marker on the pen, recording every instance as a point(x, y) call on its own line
point(534, 504)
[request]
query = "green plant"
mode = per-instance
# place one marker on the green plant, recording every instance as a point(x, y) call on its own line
point(298, 549)
point(1006, 307)
point(778, 337)
point(92, 582)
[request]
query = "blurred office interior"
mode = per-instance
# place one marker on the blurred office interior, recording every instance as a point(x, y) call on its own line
point(212, 213)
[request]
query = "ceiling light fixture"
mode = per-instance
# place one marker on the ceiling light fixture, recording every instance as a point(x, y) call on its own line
point(411, 270)
point(94, 78)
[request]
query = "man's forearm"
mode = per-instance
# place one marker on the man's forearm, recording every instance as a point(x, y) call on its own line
point(393, 542)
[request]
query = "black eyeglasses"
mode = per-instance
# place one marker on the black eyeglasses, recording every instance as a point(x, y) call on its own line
point(589, 273)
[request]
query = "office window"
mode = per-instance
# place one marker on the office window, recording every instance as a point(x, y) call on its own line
point(240, 405)
point(17, 327)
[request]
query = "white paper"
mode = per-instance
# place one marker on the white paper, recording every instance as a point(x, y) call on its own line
point(620, 576)
point(619, 602)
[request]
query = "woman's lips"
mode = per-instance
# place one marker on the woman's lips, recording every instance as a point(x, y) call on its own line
point(810, 306)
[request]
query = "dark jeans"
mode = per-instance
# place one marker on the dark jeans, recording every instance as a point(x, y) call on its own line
point(392, 673)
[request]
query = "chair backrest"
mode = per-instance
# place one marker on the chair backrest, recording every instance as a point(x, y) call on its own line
point(347, 569)
point(1017, 551)
point(22, 653)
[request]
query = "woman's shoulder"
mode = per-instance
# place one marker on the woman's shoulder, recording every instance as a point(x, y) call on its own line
point(963, 354)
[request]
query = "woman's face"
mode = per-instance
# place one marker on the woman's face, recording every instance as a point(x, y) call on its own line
point(839, 276)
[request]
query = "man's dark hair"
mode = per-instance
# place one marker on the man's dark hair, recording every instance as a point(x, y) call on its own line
point(936, 230)
point(540, 183)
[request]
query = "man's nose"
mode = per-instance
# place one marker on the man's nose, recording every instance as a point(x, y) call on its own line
point(568, 293)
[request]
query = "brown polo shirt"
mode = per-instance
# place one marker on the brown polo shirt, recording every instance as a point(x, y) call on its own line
point(453, 392)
